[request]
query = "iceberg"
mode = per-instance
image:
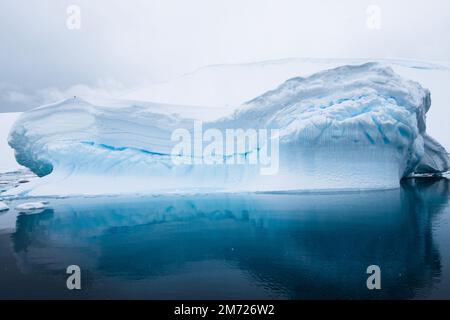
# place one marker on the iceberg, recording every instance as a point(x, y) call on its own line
point(31, 206)
point(348, 128)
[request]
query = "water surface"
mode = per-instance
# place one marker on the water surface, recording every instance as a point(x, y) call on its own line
point(233, 246)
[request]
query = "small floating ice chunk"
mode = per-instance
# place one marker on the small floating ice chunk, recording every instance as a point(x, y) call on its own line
point(31, 206)
point(3, 207)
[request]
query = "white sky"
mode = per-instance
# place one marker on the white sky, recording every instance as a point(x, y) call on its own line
point(126, 42)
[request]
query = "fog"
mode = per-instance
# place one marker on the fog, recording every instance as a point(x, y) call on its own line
point(121, 44)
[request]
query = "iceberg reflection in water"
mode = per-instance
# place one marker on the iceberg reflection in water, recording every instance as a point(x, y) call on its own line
point(236, 245)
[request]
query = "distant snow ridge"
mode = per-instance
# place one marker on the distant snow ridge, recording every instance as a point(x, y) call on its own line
point(353, 127)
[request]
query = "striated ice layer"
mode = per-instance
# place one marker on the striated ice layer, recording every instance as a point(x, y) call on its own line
point(353, 127)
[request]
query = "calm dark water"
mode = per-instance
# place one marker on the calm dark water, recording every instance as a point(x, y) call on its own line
point(274, 246)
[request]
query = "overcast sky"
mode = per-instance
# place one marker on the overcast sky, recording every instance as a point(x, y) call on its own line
point(122, 43)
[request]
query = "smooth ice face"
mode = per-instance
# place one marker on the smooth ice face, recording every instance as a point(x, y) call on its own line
point(353, 127)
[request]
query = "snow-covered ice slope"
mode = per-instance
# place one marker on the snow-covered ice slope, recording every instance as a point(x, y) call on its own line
point(233, 84)
point(353, 127)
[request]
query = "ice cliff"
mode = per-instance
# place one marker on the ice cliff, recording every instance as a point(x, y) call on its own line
point(352, 127)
